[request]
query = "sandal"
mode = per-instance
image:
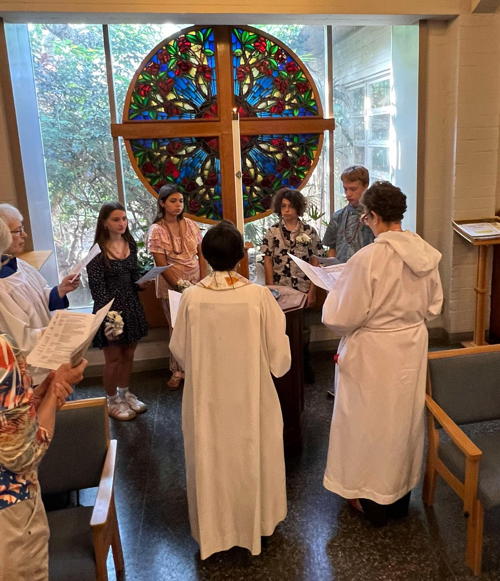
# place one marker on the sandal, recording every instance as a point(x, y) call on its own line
point(175, 380)
point(119, 409)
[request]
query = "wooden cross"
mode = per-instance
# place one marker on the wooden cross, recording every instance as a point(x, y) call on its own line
point(221, 128)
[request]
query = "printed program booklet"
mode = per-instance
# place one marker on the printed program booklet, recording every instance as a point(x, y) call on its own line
point(66, 338)
point(323, 276)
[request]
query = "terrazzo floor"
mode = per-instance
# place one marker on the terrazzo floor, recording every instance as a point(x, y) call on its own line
point(321, 539)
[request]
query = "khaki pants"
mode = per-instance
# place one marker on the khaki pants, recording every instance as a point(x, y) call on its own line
point(24, 541)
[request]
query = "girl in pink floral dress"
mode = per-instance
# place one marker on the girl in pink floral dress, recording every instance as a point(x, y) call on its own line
point(174, 240)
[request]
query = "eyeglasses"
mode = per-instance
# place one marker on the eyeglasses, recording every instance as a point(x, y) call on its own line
point(18, 231)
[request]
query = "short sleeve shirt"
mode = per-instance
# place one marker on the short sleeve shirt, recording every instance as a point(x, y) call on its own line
point(346, 234)
point(278, 242)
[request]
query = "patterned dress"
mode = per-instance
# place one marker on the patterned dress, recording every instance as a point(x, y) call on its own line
point(115, 279)
point(278, 242)
point(22, 441)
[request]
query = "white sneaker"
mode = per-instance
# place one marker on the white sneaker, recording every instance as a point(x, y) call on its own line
point(134, 403)
point(119, 409)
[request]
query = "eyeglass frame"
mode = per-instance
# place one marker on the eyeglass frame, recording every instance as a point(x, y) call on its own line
point(364, 217)
point(19, 230)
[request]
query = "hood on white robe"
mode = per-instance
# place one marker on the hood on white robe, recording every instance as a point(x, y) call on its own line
point(420, 257)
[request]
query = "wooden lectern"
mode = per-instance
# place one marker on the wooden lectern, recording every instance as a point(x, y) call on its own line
point(290, 387)
point(483, 233)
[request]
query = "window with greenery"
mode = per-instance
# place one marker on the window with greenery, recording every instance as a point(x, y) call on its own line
point(72, 94)
point(363, 115)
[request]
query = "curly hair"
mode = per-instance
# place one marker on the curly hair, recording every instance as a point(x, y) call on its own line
point(293, 196)
point(386, 200)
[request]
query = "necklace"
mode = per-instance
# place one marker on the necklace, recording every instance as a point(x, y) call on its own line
point(118, 252)
point(350, 239)
point(176, 248)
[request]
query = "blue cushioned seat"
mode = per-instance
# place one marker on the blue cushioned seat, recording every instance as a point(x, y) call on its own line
point(464, 388)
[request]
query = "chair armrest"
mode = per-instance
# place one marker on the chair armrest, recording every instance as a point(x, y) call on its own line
point(105, 490)
point(459, 438)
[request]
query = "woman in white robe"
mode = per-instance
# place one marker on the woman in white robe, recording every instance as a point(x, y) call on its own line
point(26, 300)
point(229, 337)
point(379, 306)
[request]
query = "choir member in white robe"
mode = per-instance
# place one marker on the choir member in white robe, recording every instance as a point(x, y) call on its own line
point(229, 337)
point(379, 306)
point(26, 300)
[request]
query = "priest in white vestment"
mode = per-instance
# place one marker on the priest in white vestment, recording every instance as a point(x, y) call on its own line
point(26, 300)
point(229, 337)
point(379, 306)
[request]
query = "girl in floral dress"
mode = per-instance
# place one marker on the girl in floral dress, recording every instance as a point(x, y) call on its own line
point(174, 240)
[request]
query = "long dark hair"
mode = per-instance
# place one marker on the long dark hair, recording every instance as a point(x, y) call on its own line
point(102, 234)
point(166, 191)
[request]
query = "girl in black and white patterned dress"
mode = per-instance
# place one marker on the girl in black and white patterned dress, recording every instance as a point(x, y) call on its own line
point(112, 275)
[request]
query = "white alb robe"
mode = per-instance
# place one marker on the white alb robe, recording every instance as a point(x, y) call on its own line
point(24, 309)
point(379, 305)
point(229, 337)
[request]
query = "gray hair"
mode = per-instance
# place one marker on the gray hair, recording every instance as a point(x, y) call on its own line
point(5, 237)
point(9, 213)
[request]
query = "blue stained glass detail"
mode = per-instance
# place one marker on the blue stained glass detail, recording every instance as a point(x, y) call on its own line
point(190, 162)
point(178, 81)
point(267, 79)
point(271, 162)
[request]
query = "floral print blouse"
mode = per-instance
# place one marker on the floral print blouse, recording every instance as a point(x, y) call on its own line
point(303, 243)
point(22, 441)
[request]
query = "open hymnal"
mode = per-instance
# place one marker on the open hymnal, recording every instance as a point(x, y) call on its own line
point(77, 269)
point(67, 338)
point(481, 229)
point(152, 274)
point(324, 277)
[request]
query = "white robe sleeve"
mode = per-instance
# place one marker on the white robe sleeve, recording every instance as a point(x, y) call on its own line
point(435, 296)
point(179, 335)
point(277, 345)
point(15, 322)
point(348, 304)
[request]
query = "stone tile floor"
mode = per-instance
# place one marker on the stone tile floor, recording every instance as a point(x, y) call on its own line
point(321, 539)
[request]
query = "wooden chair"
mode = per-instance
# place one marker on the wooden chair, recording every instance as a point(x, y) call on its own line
point(464, 387)
point(80, 456)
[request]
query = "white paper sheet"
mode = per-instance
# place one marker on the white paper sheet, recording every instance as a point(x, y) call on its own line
point(174, 299)
point(152, 274)
point(77, 269)
point(67, 338)
point(324, 277)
